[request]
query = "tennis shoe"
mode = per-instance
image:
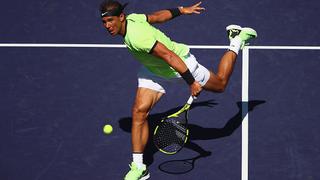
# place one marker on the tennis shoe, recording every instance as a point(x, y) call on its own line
point(233, 30)
point(247, 33)
point(137, 174)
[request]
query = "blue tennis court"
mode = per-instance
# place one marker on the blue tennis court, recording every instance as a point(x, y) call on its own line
point(56, 96)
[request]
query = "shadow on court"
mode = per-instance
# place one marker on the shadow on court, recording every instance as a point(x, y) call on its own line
point(196, 132)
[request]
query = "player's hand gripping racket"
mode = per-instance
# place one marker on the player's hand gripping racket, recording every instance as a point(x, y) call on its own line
point(172, 132)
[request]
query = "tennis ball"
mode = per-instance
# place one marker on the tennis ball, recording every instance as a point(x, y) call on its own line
point(107, 129)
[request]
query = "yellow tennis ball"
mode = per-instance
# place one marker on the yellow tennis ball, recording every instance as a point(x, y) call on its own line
point(107, 129)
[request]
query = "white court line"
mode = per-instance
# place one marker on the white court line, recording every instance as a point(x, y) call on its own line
point(95, 45)
point(62, 45)
point(245, 100)
point(123, 46)
point(245, 81)
point(245, 115)
point(286, 47)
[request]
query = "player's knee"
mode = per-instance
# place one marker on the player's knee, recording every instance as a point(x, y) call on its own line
point(222, 88)
point(216, 84)
point(217, 88)
point(139, 112)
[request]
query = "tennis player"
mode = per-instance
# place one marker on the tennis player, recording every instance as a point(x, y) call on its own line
point(164, 61)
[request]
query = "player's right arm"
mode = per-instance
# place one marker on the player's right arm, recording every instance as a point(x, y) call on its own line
point(161, 51)
point(166, 15)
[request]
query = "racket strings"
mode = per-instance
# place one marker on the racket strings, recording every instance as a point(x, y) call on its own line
point(172, 134)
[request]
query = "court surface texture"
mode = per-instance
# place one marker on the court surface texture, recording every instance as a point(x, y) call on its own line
point(54, 100)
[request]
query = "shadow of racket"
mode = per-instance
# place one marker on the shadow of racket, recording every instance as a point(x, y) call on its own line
point(182, 166)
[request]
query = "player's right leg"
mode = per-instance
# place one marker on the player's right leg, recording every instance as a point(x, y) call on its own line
point(148, 94)
point(136, 173)
point(145, 99)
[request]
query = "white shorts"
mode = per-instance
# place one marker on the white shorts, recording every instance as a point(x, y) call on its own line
point(149, 80)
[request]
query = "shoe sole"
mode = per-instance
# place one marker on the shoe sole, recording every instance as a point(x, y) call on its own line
point(233, 26)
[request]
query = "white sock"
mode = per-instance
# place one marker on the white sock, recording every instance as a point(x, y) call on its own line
point(235, 44)
point(138, 159)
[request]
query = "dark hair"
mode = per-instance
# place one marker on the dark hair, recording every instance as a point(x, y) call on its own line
point(111, 6)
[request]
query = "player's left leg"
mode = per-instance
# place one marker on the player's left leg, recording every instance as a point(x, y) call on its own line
point(218, 82)
point(239, 37)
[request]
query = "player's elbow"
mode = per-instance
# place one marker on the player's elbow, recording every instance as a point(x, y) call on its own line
point(169, 58)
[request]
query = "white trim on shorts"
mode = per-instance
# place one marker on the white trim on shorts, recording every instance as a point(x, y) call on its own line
point(147, 79)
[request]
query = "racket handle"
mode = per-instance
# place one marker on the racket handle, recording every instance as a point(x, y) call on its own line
point(190, 100)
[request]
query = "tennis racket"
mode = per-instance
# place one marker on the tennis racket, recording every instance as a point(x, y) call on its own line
point(172, 132)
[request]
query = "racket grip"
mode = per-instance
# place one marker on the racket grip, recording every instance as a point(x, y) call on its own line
point(190, 100)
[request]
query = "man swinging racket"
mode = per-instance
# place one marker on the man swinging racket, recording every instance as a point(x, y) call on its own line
point(164, 61)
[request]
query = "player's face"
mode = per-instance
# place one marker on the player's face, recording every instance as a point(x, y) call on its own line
point(112, 24)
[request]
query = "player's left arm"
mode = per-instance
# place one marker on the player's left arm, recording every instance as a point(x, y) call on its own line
point(166, 15)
